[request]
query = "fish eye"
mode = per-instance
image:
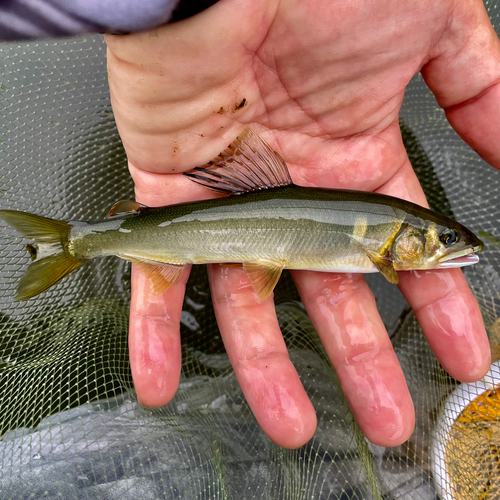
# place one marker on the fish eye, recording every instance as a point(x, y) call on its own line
point(449, 236)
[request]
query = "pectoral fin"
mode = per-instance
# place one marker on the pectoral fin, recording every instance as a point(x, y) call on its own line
point(263, 276)
point(384, 266)
point(161, 276)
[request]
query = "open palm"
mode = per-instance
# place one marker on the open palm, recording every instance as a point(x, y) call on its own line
point(323, 82)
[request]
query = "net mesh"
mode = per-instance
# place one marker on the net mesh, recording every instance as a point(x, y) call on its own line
point(70, 424)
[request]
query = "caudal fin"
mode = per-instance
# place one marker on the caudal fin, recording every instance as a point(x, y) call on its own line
point(51, 260)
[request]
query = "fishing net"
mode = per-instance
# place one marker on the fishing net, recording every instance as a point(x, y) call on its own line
point(70, 424)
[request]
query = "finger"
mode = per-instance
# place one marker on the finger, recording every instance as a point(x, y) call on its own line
point(443, 302)
point(463, 73)
point(450, 318)
point(154, 339)
point(343, 311)
point(255, 346)
point(477, 121)
point(154, 330)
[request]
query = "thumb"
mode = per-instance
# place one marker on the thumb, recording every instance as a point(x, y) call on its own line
point(464, 74)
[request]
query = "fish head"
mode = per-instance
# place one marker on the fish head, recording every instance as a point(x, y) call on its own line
point(435, 245)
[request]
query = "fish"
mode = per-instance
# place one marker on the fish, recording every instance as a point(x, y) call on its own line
point(264, 222)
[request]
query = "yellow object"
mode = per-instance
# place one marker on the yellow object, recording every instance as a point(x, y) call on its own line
point(466, 441)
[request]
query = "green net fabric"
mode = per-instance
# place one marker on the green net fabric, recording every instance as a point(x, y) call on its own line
point(70, 424)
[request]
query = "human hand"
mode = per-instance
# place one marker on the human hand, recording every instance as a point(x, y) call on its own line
point(326, 80)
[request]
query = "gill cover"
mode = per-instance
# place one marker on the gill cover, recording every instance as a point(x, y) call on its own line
point(408, 248)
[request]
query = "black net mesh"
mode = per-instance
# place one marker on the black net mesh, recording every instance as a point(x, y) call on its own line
point(70, 424)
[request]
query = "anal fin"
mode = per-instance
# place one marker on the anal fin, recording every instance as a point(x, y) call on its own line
point(161, 276)
point(263, 275)
point(384, 266)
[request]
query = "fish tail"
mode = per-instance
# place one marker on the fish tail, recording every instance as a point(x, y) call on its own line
point(52, 260)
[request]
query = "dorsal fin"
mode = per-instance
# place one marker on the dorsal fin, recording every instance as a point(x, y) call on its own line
point(248, 164)
point(124, 208)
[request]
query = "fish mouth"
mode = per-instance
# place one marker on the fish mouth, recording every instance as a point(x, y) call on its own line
point(465, 257)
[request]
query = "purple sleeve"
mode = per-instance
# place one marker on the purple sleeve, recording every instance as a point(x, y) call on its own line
point(28, 19)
